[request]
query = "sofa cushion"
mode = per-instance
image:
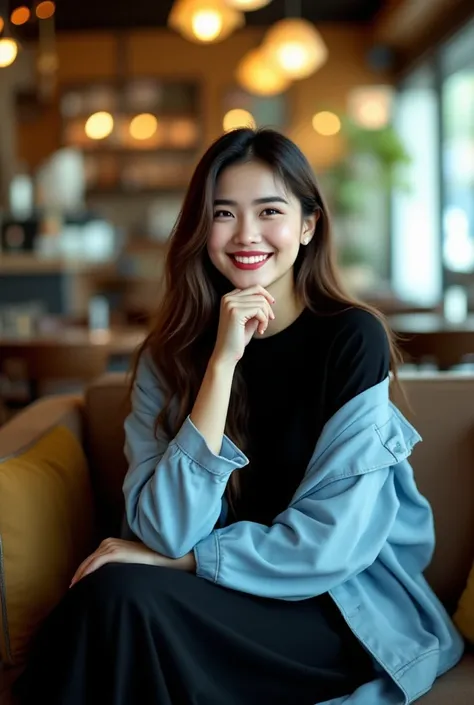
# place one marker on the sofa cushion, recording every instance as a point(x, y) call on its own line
point(105, 407)
point(46, 527)
point(464, 615)
point(456, 687)
point(443, 464)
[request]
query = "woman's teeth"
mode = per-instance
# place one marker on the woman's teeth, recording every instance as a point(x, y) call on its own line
point(251, 260)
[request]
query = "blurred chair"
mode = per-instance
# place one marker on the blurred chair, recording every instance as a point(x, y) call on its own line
point(443, 349)
point(39, 366)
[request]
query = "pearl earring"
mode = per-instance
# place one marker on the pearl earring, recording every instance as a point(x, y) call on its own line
point(305, 241)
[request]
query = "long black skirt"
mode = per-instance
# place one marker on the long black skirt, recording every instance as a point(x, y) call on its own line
point(139, 634)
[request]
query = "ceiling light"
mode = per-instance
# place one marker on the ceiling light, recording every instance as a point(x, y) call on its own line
point(207, 24)
point(296, 47)
point(204, 21)
point(258, 76)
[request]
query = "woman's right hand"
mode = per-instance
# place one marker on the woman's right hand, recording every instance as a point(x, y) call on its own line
point(242, 313)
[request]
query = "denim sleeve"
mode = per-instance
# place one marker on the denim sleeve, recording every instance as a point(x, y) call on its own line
point(319, 542)
point(174, 486)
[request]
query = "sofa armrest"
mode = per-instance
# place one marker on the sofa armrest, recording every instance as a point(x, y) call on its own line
point(47, 517)
point(36, 419)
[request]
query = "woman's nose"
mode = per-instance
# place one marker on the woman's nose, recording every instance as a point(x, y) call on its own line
point(247, 231)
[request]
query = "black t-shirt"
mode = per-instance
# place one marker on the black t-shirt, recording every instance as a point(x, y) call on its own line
point(296, 380)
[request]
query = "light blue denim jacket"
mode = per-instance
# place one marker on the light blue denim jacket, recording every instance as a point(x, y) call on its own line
point(357, 528)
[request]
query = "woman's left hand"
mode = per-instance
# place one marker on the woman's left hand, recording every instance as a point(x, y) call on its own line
point(120, 551)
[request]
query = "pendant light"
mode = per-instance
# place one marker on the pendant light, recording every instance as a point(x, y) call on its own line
point(45, 9)
point(204, 21)
point(257, 75)
point(8, 44)
point(294, 45)
point(8, 51)
point(247, 5)
point(20, 15)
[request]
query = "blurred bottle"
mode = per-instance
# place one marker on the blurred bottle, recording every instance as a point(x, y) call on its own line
point(99, 314)
point(455, 304)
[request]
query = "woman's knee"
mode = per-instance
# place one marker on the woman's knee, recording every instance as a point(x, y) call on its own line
point(128, 583)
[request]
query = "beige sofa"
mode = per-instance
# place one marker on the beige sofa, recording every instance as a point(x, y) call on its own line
point(444, 465)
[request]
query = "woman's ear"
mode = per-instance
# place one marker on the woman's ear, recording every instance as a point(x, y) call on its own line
point(309, 227)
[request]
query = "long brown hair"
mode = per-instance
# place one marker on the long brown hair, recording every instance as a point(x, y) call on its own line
point(184, 332)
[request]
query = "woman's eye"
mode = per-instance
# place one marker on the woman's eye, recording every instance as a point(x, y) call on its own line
point(271, 211)
point(222, 214)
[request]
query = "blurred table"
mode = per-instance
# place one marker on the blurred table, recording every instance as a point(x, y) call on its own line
point(431, 337)
point(122, 340)
point(66, 355)
point(410, 323)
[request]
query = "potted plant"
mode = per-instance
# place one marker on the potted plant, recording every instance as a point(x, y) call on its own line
point(359, 183)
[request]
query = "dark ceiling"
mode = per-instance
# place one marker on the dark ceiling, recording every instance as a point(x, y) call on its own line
point(125, 14)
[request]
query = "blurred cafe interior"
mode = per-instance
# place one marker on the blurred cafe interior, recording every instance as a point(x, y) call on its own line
point(105, 108)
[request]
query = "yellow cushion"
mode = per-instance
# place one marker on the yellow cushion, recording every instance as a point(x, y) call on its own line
point(46, 524)
point(464, 616)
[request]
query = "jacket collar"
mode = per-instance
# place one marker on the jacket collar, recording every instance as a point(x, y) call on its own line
point(370, 413)
point(371, 406)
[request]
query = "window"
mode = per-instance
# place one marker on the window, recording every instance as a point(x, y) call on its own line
point(457, 96)
point(416, 257)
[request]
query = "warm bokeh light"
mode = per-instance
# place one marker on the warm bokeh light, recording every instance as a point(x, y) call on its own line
point(372, 114)
point(247, 5)
point(2, 24)
point(99, 125)
point(204, 21)
point(326, 123)
point(258, 76)
point(296, 47)
point(182, 132)
point(370, 107)
point(45, 10)
point(143, 126)
point(20, 16)
point(238, 118)
point(207, 24)
point(8, 52)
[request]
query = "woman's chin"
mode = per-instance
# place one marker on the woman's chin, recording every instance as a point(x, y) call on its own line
point(244, 280)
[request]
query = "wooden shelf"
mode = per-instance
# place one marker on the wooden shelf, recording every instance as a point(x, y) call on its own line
point(24, 264)
point(148, 191)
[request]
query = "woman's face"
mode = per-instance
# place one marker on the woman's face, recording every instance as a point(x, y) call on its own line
point(257, 227)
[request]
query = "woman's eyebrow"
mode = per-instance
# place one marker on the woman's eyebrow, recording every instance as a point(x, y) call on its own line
point(257, 201)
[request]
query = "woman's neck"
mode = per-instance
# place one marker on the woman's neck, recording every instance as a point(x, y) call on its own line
point(287, 307)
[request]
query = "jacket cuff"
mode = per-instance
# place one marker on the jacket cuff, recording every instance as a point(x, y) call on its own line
point(207, 555)
point(192, 443)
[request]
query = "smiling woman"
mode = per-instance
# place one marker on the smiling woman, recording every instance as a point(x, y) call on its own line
point(254, 566)
point(258, 226)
